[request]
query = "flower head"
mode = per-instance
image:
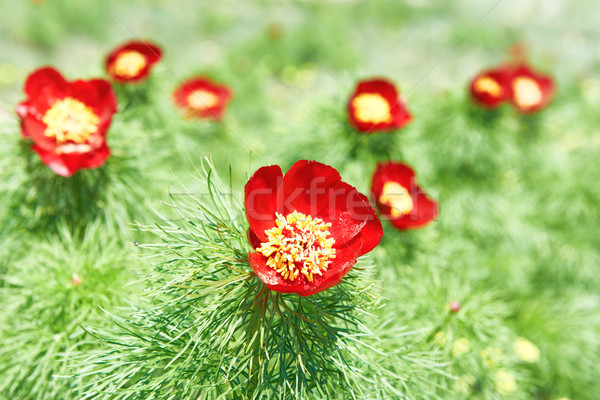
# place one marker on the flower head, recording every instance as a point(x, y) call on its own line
point(504, 382)
point(398, 197)
point(526, 350)
point(460, 347)
point(375, 106)
point(307, 227)
point(492, 88)
point(454, 306)
point(202, 98)
point(531, 91)
point(132, 61)
point(527, 90)
point(67, 121)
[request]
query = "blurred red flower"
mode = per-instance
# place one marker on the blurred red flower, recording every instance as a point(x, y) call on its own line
point(67, 121)
point(131, 62)
point(527, 90)
point(531, 91)
point(202, 98)
point(399, 199)
point(375, 106)
point(492, 88)
point(307, 227)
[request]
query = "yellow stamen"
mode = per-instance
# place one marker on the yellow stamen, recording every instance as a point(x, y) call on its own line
point(372, 107)
point(527, 92)
point(298, 244)
point(129, 63)
point(397, 197)
point(202, 99)
point(69, 120)
point(487, 85)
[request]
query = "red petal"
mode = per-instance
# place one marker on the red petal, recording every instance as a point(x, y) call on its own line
point(68, 164)
point(150, 51)
point(400, 115)
point(307, 187)
point(394, 172)
point(216, 112)
point(347, 210)
point(381, 86)
point(23, 109)
point(545, 83)
point(35, 128)
point(43, 87)
point(253, 239)
point(425, 210)
point(398, 111)
point(97, 94)
point(502, 76)
point(339, 267)
point(370, 235)
point(261, 199)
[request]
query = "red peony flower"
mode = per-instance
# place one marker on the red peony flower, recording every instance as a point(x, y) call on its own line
point(67, 121)
point(531, 91)
point(376, 107)
point(202, 98)
point(132, 61)
point(398, 197)
point(307, 228)
point(492, 88)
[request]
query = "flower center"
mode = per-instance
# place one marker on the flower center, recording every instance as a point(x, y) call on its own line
point(298, 244)
point(397, 197)
point(371, 107)
point(488, 85)
point(70, 120)
point(202, 99)
point(129, 63)
point(527, 92)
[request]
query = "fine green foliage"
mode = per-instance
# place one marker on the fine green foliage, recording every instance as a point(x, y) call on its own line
point(214, 329)
point(49, 291)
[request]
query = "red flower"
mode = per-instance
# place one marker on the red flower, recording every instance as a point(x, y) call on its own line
point(67, 121)
point(375, 107)
point(527, 90)
point(307, 228)
point(492, 88)
point(531, 91)
point(132, 61)
point(398, 197)
point(202, 98)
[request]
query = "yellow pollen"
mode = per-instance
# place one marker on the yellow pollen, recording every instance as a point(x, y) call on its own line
point(69, 120)
point(487, 85)
point(298, 244)
point(527, 92)
point(129, 63)
point(397, 197)
point(202, 99)
point(371, 107)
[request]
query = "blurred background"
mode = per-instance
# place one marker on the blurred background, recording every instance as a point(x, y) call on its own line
point(299, 47)
point(279, 55)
